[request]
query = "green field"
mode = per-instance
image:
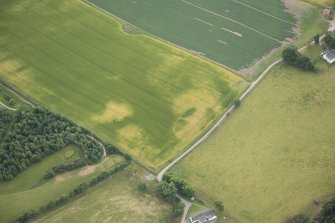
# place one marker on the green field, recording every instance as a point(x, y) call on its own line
point(147, 97)
point(275, 155)
point(116, 200)
point(27, 191)
point(11, 100)
point(235, 33)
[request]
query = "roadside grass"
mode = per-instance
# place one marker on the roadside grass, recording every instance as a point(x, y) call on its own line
point(26, 192)
point(115, 200)
point(10, 99)
point(129, 89)
point(275, 154)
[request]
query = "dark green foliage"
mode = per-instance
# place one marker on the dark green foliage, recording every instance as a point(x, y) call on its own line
point(292, 56)
point(183, 187)
point(327, 215)
point(81, 188)
point(178, 209)
point(219, 205)
point(167, 191)
point(317, 39)
point(143, 187)
point(330, 40)
point(34, 133)
point(237, 102)
point(111, 149)
point(299, 218)
point(64, 168)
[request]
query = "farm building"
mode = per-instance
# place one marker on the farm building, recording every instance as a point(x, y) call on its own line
point(329, 56)
point(203, 216)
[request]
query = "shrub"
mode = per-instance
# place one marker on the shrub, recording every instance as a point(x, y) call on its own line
point(219, 205)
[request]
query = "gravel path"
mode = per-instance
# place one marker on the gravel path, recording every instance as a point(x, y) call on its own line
point(9, 108)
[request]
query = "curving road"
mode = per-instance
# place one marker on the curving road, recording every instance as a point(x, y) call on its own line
point(5, 106)
point(217, 124)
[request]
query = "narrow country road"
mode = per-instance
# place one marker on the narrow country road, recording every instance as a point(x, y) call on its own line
point(216, 125)
point(100, 144)
point(5, 106)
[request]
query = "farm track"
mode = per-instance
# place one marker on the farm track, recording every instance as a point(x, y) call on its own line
point(216, 125)
point(5, 106)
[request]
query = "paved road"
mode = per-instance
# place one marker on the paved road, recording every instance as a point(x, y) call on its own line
point(217, 124)
point(5, 106)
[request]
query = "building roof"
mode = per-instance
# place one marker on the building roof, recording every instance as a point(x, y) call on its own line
point(203, 216)
point(329, 56)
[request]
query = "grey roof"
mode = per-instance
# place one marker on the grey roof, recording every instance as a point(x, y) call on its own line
point(329, 56)
point(203, 216)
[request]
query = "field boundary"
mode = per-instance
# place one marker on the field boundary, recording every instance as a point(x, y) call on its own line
point(190, 51)
point(225, 115)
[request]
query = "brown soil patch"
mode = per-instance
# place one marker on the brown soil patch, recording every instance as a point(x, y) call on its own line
point(62, 177)
point(87, 170)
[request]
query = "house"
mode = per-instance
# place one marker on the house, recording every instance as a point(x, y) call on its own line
point(329, 56)
point(203, 216)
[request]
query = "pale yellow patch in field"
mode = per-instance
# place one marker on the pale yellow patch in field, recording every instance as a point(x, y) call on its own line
point(133, 138)
point(114, 111)
point(189, 100)
point(87, 170)
point(9, 66)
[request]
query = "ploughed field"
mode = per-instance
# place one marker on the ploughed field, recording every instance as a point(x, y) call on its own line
point(236, 33)
point(147, 97)
point(276, 154)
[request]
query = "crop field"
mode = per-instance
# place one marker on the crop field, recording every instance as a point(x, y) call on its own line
point(27, 191)
point(145, 96)
point(236, 33)
point(116, 200)
point(276, 154)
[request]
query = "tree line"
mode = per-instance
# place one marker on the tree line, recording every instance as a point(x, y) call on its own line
point(80, 189)
point(326, 215)
point(293, 57)
point(62, 168)
point(29, 135)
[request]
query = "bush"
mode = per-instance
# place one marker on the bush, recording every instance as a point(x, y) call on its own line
point(183, 187)
point(292, 56)
point(179, 208)
point(237, 102)
point(219, 205)
point(142, 187)
point(167, 191)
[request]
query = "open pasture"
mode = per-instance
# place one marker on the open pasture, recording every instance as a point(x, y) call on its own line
point(145, 96)
point(27, 191)
point(275, 155)
point(232, 32)
point(115, 200)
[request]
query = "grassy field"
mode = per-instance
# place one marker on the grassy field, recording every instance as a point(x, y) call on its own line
point(116, 200)
point(10, 99)
point(322, 3)
point(27, 191)
point(235, 33)
point(147, 97)
point(275, 155)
